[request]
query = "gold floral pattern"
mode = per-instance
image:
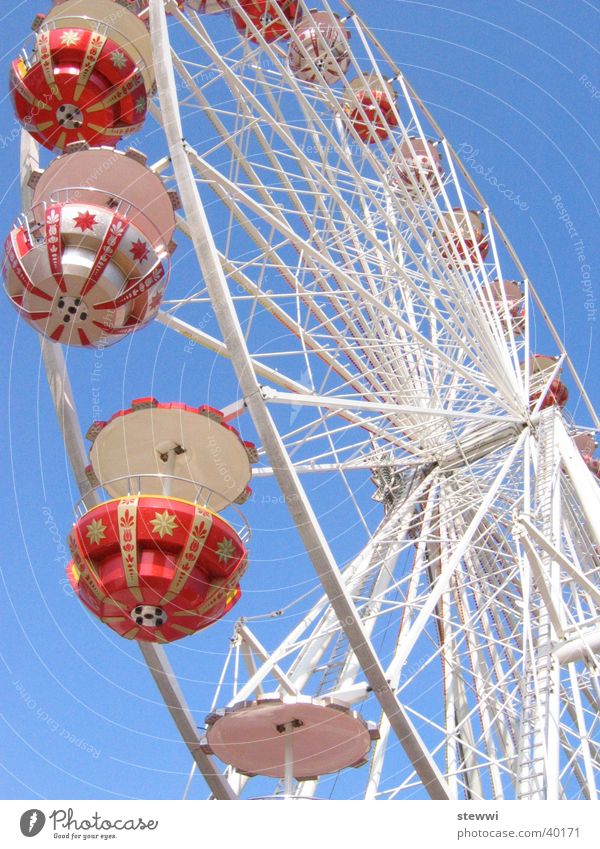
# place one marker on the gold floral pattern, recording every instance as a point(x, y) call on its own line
point(70, 37)
point(163, 524)
point(95, 531)
point(118, 58)
point(225, 550)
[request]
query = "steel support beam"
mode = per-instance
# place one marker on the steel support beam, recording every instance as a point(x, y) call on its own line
point(66, 413)
point(174, 699)
point(306, 521)
point(442, 583)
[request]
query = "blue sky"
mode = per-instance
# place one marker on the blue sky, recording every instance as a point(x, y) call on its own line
point(516, 87)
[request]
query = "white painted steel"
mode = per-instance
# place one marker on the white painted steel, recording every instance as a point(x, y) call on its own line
point(467, 618)
point(469, 580)
point(68, 419)
point(302, 513)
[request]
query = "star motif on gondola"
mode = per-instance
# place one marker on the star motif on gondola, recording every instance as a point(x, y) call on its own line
point(139, 249)
point(95, 531)
point(70, 37)
point(118, 58)
point(140, 104)
point(155, 302)
point(225, 550)
point(85, 221)
point(163, 524)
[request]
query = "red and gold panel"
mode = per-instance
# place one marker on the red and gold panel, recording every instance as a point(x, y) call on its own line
point(79, 86)
point(155, 568)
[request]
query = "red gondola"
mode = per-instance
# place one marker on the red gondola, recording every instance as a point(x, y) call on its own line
point(88, 77)
point(87, 264)
point(556, 393)
point(324, 42)
point(160, 565)
point(266, 16)
point(207, 7)
point(507, 297)
point(586, 444)
point(154, 568)
point(463, 237)
point(374, 114)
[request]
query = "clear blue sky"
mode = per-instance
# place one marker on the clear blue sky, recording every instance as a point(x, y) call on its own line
point(517, 84)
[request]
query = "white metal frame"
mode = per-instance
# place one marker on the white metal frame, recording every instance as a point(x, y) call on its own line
point(483, 576)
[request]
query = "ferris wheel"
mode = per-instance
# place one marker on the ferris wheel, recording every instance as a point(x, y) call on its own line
point(379, 325)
